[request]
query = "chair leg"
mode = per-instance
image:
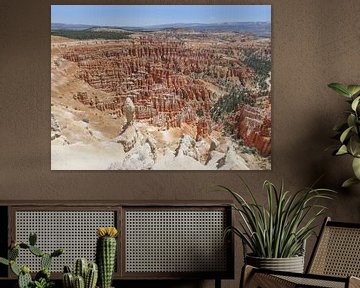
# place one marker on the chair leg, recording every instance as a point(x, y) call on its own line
point(246, 274)
point(217, 283)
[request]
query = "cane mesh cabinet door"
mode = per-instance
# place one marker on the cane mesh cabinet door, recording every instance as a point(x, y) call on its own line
point(74, 230)
point(166, 242)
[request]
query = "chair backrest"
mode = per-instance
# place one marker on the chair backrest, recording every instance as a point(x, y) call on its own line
point(337, 251)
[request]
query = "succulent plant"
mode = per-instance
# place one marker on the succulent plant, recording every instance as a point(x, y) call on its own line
point(42, 283)
point(106, 254)
point(42, 278)
point(85, 275)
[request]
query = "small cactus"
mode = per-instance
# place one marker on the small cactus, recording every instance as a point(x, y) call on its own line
point(80, 268)
point(67, 269)
point(89, 272)
point(79, 282)
point(68, 280)
point(24, 278)
point(106, 254)
point(36, 251)
point(32, 238)
point(57, 252)
point(24, 246)
point(45, 261)
point(14, 268)
point(13, 253)
point(91, 276)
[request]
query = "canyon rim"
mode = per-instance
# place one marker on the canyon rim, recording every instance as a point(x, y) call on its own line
point(161, 87)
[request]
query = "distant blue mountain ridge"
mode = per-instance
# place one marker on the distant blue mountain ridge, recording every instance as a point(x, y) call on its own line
point(62, 26)
point(260, 29)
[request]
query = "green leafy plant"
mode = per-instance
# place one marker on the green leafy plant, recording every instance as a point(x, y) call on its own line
point(42, 278)
point(280, 229)
point(348, 132)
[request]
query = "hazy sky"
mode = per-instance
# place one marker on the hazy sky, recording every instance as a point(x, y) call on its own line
point(142, 15)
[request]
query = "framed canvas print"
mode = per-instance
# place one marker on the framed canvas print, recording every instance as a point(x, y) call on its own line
point(161, 87)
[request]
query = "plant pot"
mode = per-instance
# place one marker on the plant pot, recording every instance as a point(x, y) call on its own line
point(291, 264)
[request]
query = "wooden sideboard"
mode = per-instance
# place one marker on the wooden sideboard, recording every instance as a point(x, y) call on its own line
point(157, 240)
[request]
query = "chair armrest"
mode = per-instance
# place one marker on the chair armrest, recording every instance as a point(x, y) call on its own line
point(252, 277)
point(255, 277)
point(354, 282)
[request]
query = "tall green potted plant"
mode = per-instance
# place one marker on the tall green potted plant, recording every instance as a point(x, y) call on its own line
point(348, 132)
point(276, 233)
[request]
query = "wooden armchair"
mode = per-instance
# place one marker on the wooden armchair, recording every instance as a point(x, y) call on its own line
point(334, 263)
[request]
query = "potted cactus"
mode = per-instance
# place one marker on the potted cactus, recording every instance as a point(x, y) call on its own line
point(84, 275)
point(42, 278)
point(106, 254)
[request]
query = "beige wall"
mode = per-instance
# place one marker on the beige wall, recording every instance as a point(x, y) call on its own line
point(314, 42)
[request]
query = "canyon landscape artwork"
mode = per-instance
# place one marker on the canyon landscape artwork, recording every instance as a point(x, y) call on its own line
point(161, 87)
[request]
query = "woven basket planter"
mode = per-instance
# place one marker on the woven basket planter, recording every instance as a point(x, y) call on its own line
point(291, 264)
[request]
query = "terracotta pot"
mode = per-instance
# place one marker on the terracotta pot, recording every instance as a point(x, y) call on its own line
point(291, 264)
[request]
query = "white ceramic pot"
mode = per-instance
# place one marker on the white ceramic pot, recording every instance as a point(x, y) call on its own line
point(291, 264)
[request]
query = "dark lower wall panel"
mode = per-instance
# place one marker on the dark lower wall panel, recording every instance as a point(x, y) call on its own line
point(3, 238)
point(314, 43)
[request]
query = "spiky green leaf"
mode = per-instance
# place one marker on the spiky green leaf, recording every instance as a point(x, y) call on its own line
point(4, 261)
point(351, 120)
point(353, 90)
point(345, 134)
point(342, 150)
point(280, 228)
point(340, 88)
point(340, 127)
point(349, 182)
point(356, 167)
point(355, 103)
point(353, 145)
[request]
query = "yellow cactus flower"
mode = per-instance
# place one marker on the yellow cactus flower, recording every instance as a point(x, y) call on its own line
point(112, 231)
point(107, 231)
